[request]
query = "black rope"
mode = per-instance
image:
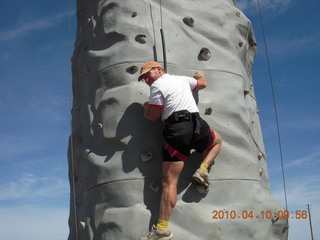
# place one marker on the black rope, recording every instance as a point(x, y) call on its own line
point(274, 105)
point(163, 41)
point(164, 50)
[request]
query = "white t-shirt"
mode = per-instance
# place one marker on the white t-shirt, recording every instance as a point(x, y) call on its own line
point(173, 93)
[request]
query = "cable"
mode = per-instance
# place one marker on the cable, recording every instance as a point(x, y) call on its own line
point(274, 105)
point(310, 222)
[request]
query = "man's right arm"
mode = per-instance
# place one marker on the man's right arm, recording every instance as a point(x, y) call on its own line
point(152, 112)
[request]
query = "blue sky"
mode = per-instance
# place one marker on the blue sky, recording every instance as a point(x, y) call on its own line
point(35, 51)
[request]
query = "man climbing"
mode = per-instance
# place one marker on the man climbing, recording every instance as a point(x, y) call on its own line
point(171, 98)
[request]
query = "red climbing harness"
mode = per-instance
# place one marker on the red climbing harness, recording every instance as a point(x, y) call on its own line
point(173, 152)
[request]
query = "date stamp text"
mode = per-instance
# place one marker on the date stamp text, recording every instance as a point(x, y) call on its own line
point(264, 214)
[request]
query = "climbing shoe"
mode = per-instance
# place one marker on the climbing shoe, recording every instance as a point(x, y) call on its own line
point(201, 177)
point(155, 234)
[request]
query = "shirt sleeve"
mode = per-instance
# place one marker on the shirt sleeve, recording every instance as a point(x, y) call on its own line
point(193, 83)
point(156, 97)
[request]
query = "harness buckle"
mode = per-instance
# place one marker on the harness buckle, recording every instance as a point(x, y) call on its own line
point(187, 116)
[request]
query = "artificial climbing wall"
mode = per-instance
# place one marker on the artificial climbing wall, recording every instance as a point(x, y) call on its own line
point(115, 153)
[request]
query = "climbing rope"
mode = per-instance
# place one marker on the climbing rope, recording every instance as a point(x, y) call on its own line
point(163, 40)
point(71, 135)
point(274, 105)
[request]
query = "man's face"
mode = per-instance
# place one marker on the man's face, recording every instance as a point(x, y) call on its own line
point(152, 75)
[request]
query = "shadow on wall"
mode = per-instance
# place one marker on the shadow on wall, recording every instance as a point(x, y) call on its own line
point(146, 136)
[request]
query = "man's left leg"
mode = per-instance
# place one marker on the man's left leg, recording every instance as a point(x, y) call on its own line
point(170, 176)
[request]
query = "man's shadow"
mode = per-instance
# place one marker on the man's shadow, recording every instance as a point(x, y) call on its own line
point(145, 142)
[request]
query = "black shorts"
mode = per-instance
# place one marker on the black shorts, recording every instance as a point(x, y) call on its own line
point(182, 137)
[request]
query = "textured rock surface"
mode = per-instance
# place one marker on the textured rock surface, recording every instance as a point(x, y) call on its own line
point(115, 194)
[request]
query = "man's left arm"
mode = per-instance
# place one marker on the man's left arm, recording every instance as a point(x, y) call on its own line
point(152, 112)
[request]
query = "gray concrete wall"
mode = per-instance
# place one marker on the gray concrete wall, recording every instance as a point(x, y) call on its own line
point(116, 195)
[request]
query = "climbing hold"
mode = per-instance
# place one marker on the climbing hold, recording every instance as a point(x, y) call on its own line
point(141, 38)
point(208, 111)
point(100, 125)
point(132, 69)
point(89, 19)
point(202, 189)
point(238, 14)
point(154, 186)
point(146, 156)
point(260, 155)
point(189, 21)
point(86, 181)
point(134, 14)
point(261, 171)
point(246, 91)
point(240, 44)
point(204, 54)
point(81, 9)
point(83, 225)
